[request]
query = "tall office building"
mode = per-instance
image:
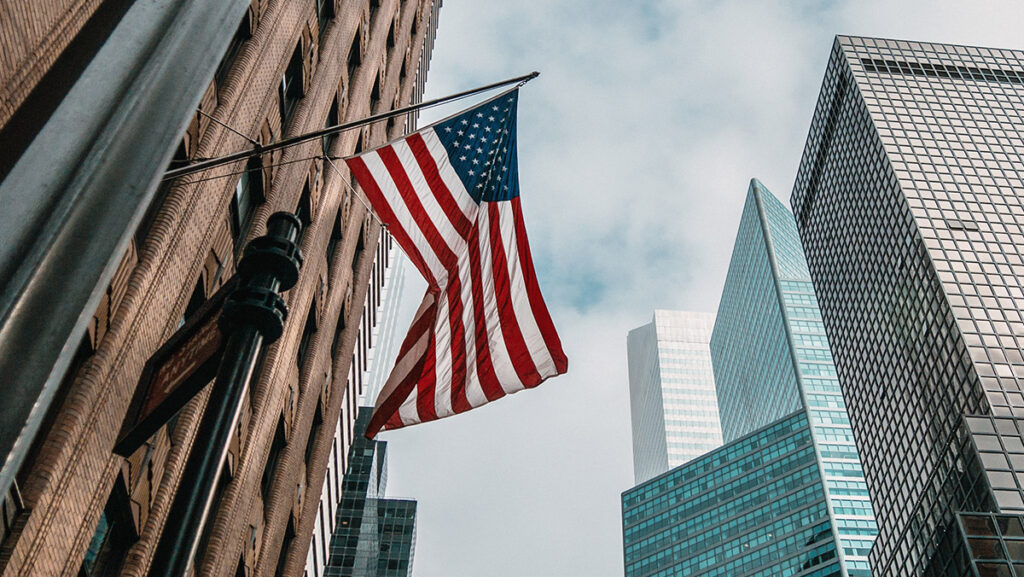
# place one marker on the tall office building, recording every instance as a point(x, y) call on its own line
point(771, 357)
point(378, 319)
point(909, 206)
point(671, 392)
point(786, 494)
point(383, 342)
point(755, 507)
point(374, 536)
point(289, 67)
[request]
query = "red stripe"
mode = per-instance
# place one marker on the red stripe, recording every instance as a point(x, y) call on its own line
point(415, 208)
point(444, 196)
point(453, 289)
point(484, 368)
point(427, 383)
point(380, 204)
point(518, 353)
point(455, 310)
point(389, 407)
point(540, 309)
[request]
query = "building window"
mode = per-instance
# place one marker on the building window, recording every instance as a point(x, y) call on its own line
point(339, 330)
point(360, 245)
point(114, 533)
point(243, 33)
point(194, 302)
point(332, 243)
point(314, 432)
point(289, 537)
point(248, 194)
point(355, 57)
point(305, 209)
point(332, 120)
point(307, 336)
point(324, 14)
point(290, 90)
point(375, 95)
point(267, 481)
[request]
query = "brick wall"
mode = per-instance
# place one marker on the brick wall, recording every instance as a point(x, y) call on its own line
point(186, 241)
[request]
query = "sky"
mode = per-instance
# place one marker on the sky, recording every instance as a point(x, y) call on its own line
point(636, 146)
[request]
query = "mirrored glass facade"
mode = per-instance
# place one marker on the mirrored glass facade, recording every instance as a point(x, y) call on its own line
point(909, 206)
point(771, 357)
point(373, 536)
point(673, 409)
point(755, 507)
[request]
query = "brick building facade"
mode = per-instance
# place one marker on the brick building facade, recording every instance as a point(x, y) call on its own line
point(293, 66)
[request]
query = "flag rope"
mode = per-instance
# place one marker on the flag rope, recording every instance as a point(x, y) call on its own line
point(352, 190)
point(302, 138)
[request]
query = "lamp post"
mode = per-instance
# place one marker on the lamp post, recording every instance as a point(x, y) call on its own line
point(253, 316)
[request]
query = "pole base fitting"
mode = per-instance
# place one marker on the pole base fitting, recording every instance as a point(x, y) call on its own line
point(257, 306)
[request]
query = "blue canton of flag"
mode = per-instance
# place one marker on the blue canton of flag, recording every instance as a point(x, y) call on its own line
point(481, 145)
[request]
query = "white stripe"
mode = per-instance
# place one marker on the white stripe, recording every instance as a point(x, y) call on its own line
point(389, 189)
point(503, 368)
point(407, 411)
point(449, 176)
point(443, 402)
point(443, 359)
point(520, 299)
point(445, 228)
point(474, 392)
point(404, 365)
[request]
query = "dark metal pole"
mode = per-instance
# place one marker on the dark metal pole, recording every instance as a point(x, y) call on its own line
point(253, 316)
point(284, 143)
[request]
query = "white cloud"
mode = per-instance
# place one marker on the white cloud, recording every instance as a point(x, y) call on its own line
point(636, 146)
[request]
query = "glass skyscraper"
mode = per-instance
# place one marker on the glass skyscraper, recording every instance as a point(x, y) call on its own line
point(771, 357)
point(374, 536)
point(786, 495)
point(910, 208)
point(671, 392)
point(753, 508)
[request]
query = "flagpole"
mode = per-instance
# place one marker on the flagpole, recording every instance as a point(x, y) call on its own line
point(292, 141)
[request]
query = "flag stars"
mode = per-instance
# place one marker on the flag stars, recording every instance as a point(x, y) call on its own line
point(447, 128)
point(471, 173)
point(491, 118)
point(464, 121)
point(479, 114)
point(460, 132)
point(462, 158)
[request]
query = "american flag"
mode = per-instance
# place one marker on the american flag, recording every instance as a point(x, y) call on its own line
point(449, 194)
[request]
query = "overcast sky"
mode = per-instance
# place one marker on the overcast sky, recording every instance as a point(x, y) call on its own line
point(636, 145)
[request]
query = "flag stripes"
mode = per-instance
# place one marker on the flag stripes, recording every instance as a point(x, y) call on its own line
point(482, 330)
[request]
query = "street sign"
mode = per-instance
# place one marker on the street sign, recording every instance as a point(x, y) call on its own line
point(175, 373)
